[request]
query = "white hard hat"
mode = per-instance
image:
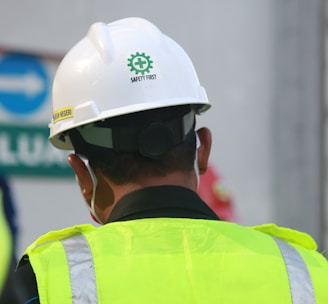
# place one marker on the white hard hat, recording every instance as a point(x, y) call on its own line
point(119, 68)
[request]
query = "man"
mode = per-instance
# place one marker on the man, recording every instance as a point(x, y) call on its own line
point(6, 247)
point(125, 99)
point(7, 283)
point(9, 287)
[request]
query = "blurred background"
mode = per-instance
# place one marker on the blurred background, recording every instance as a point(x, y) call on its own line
point(263, 64)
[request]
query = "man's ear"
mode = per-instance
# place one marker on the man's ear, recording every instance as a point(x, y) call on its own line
point(82, 175)
point(205, 138)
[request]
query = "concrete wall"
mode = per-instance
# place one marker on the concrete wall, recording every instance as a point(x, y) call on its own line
point(299, 117)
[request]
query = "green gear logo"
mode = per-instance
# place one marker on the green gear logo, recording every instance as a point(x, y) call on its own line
point(140, 63)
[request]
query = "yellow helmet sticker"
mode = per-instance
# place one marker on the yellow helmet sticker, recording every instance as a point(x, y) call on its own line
point(63, 113)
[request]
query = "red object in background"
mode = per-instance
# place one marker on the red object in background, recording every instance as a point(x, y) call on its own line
point(213, 192)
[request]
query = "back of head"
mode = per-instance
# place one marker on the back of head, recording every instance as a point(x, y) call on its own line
point(125, 88)
point(148, 143)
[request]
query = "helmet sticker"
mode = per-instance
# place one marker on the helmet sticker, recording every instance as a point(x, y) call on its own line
point(140, 63)
point(63, 113)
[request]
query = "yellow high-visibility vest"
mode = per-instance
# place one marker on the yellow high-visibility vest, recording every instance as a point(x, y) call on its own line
point(6, 245)
point(170, 260)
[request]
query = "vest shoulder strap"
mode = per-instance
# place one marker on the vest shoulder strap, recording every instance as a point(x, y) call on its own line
point(57, 235)
point(289, 235)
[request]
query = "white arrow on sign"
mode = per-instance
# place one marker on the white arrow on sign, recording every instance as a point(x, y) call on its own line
point(29, 84)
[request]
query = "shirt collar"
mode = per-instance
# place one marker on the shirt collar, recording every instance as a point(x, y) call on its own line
point(161, 201)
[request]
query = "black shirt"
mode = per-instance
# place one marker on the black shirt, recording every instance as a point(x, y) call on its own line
point(152, 202)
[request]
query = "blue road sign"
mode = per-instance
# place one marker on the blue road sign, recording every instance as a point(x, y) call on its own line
point(24, 83)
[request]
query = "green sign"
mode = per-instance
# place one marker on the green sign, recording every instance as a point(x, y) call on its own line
point(25, 150)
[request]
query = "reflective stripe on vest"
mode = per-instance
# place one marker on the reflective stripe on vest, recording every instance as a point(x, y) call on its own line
point(83, 279)
point(81, 269)
point(300, 282)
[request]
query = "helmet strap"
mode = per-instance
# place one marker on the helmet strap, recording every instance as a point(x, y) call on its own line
point(151, 140)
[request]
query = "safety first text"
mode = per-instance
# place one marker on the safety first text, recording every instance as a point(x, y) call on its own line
point(143, 78)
